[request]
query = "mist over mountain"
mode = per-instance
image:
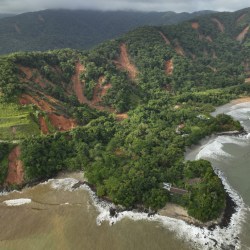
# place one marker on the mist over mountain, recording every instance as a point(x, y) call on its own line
point(79, 29)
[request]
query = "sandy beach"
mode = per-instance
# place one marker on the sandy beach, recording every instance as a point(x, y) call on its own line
point(241, 100)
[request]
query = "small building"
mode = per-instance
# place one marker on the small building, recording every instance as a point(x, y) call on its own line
point(167, 186)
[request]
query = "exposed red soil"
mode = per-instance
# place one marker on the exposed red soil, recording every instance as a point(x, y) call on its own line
point(195, 25)
point(169, 67)
point(62, 123)
point(15, 168)
point(247, 80)
point(51, 99)
point(241, 18)
point(179, 50)
point(41, 104)
point(122, 116)
point(165, 38)
point(219, 24)
point(27, 71)
point(99, 92)
point(58, 121)
point(242, 35)
point(29, 75)
point(43, 125)
point(124, 62)
point(78, 85)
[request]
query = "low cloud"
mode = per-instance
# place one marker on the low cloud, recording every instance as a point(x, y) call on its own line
point(18, 6)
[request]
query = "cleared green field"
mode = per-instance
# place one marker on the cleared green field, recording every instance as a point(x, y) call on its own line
point(17, 122)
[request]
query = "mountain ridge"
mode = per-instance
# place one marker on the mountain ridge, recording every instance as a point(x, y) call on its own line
point(77, 29)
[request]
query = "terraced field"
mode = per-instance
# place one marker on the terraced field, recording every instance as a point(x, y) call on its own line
point(17, 122)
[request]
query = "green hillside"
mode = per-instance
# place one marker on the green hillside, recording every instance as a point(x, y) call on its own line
point(126, 111)
point(79, 29)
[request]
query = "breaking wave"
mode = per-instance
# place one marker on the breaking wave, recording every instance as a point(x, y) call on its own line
point(214, 149)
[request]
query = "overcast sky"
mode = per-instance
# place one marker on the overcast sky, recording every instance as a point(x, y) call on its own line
point(20, 6)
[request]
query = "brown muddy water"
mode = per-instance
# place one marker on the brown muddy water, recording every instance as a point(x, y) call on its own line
point(60, 219)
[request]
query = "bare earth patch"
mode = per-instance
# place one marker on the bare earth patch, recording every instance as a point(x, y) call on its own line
point(62, 123)
point(241, 18)
point(125, 63)
point(175, 211)
point(242, 35)
point(15, 168)
point(241, 100)
point(122, 116)
point(179, 50)
point(78, 85)
point(165, 38)
point(219, 24)
point(195, 25)
point(41, 104)
point(33, 75)
point(169, 67)
point(43, 125)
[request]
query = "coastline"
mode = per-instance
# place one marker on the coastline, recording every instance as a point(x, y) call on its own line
point(191, 152)
point(170, 210)
point(178, 212)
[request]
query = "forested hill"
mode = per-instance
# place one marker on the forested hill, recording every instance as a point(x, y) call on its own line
point(80, 29)
point(126, 111)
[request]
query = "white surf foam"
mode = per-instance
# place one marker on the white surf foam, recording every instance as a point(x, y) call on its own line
point(62, 184)
point(17, 202)
point(202, 238)
point(5, 193)
point(213, 149)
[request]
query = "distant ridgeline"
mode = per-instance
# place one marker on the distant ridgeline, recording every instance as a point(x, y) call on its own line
point(125, 111)
point(77, 29)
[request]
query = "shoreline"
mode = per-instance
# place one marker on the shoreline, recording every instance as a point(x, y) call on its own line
point(243, 99)
point(170, 210)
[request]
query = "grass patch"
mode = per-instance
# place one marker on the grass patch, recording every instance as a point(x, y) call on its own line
point(17, 122)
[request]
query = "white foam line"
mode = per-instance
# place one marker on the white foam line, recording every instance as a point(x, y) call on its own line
point(214, 148)
point(17, 202)
point(5, 193)
point(201, 237)
point(64, 184)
